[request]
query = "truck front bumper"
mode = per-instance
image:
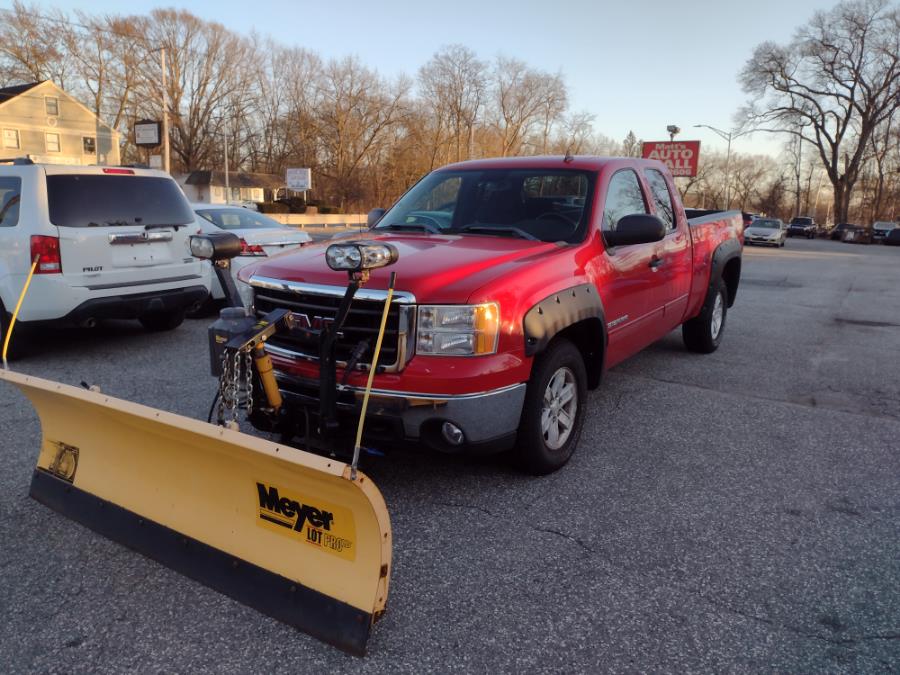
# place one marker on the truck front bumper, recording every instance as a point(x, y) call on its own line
point(489, 420)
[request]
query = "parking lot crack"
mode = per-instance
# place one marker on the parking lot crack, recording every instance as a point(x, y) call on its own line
point(812, 403)
point(564, 535)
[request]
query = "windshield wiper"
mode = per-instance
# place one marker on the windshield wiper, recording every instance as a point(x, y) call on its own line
point(499, 229)
point(427, 227)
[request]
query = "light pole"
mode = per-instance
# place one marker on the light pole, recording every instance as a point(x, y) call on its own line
point(728, 136)
point(221, 120)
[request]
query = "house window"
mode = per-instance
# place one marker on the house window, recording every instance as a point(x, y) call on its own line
point(90, 145)
point(51, 104)
point(11, 138)
point(52, 142)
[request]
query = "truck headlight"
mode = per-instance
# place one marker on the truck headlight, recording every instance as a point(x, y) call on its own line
point(355, 257)
point(458, 330)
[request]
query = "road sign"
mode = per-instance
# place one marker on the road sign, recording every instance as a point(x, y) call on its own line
point(299, 179)
point(147, 133)
point(680, 156)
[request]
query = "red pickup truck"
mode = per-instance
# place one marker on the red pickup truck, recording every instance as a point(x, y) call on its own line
point(520, 281)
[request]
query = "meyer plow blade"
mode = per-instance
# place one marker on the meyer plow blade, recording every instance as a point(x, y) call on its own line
point(289, 533)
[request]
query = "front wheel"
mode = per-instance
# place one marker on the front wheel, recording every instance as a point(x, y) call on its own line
point(553, 413)
point(156, 322)
point(703, 333)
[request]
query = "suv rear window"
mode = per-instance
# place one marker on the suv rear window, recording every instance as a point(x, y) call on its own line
point(95, 200)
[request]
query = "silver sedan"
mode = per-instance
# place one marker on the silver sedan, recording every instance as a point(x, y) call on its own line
point(767, 231)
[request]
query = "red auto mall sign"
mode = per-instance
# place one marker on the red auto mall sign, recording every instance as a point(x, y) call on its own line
point(680, 156)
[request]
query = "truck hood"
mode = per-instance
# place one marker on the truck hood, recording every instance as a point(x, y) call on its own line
point(435, 268)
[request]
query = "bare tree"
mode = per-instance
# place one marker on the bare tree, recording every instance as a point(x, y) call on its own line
point(31, 45)
point(631, 146)
point(208, 80)
point(454, 83)
point(833, 85)
point(355, 108)
point(522, 98)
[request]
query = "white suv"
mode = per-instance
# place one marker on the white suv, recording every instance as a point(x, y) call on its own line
point(111, 243)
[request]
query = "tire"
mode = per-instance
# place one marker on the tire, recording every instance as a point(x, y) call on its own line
point(206, 308)
point(558, 370)
point(703, 333)
point(157, 322)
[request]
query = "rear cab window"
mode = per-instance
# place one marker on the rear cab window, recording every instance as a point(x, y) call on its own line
point(662, 198)
point(105, 200)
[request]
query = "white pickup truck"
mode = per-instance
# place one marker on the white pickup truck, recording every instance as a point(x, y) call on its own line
point(111, 243)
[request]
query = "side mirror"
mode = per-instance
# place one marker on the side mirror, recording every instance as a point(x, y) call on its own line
point(215, 246)
point(637, 228)
point(374, 217)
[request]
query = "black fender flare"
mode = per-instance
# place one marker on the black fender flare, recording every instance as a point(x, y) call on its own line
point(562, 310)
point(725, 252)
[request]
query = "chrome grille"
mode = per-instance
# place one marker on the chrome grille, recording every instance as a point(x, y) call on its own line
point(320, 304)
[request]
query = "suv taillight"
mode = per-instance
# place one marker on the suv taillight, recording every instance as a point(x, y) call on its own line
point(47, 248)
point(251, 249)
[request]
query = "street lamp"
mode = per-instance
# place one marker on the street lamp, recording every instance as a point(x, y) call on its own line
point(220, 120)
point(728, 136)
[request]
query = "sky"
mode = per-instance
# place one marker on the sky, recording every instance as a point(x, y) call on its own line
point(636, 65)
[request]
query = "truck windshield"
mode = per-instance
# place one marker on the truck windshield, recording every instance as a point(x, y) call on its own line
point(94, 200)
point(542, 204)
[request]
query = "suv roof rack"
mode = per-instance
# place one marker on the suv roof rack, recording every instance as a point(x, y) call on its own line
point(16, 160)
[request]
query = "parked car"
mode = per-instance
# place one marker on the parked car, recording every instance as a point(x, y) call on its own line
point(111, 243)
point(881, 228)
point(893, 237)
point(856, 234)
point(803, 226)
point(837, 232)
point(260, 235)
point(768, 231)
point(748, 218)
point(511, 302)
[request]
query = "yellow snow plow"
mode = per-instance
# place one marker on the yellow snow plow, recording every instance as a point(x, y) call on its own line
point(301, 537)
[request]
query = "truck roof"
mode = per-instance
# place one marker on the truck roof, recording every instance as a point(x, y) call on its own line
point(583, 162)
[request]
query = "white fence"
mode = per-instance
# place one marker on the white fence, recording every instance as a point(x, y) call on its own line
point(322, 221)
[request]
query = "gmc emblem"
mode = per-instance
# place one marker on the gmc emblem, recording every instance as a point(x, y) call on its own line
point(316, 323)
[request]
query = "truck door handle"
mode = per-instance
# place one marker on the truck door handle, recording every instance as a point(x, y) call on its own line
point(656, 262)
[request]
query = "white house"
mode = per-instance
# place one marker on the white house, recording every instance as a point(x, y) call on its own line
point(208, 187)
point(43, 122)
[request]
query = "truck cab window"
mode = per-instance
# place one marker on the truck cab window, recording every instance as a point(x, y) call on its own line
point(623, 198)
point(662, 198)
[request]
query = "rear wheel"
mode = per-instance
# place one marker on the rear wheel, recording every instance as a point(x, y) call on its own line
point(206, 308)
point(553, 413)
point(703, 333)
point(162, 321)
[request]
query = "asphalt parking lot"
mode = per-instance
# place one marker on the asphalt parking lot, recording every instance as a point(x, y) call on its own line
point(732, 512)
